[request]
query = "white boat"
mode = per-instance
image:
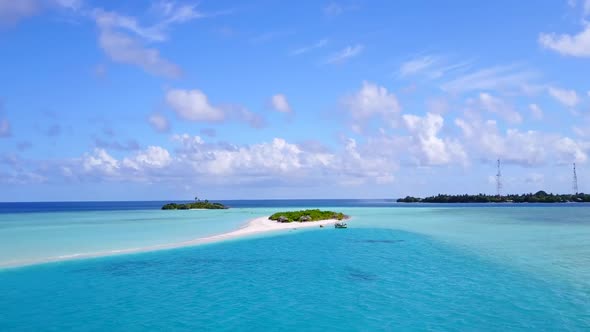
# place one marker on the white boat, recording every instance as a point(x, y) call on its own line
point(340, 224)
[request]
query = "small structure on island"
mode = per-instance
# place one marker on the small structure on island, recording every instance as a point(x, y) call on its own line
point(305, 218)
point(283, 219)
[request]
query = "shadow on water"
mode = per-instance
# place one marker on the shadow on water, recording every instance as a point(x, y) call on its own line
point(178, 265)
point(358, 275)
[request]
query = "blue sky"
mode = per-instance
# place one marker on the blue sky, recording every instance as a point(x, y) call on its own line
point(111, 100)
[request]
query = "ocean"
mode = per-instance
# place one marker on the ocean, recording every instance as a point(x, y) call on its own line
point(397, 267)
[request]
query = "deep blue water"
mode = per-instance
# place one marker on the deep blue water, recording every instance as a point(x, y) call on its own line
point(29, 207)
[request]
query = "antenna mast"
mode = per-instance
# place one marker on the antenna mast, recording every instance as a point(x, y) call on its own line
point(575, 181)
point(499, 180)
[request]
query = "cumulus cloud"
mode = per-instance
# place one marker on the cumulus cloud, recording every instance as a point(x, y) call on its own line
point(567, 98)
point(370, 101)
point(152, 157)
point(137, 167)
point(280, 104)
point(159, 123)
point(276, 162)
point(100, 162)
point(193, 105)
point(526, 148)
point(345, 54)
point(431, 149)
point(576, 45)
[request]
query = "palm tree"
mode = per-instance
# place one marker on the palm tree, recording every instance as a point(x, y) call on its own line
point(196, 198)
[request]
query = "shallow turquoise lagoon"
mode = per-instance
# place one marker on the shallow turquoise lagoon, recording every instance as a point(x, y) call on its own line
point(446, 269)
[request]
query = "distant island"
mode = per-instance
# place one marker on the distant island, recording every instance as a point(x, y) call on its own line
point(538, 197)
point(197, 204)
point(307, 216)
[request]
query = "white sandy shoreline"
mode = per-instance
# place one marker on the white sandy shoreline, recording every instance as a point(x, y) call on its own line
point(255, 226)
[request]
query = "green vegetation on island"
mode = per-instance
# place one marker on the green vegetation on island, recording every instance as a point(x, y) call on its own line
point(538, 197)
point(197, 204)
point(307, 216)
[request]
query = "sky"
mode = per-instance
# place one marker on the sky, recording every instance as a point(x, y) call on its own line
point(263, 99)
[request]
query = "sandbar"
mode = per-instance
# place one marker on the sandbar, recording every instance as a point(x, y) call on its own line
point(255, 226)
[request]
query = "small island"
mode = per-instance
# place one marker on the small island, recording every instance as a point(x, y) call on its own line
point(307, 216)
point(538, 197)
point(197, 204)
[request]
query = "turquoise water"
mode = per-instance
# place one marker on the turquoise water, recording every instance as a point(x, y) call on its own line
point(474, 268)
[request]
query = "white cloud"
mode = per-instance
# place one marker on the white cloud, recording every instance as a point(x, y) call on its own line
point(431, 67)
point(527, 148)
point(122, 48)
point(193, 105)
point(114, 21)
point(101, 163)
point(372, 100)
point(172, 12)
point(496, 105)
point(123, 38)
point(277, 162)
point(277, 158)
point(432, 150)
point(308, 48)
point(568, 98)
point(536, 111)
point(569, 151)
point(152, 157)
point(577, 45)
point(159, 123)
point(280, 104)
point(5, 128)
point(492, 79)
point(345, 54)
point(415, 66)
